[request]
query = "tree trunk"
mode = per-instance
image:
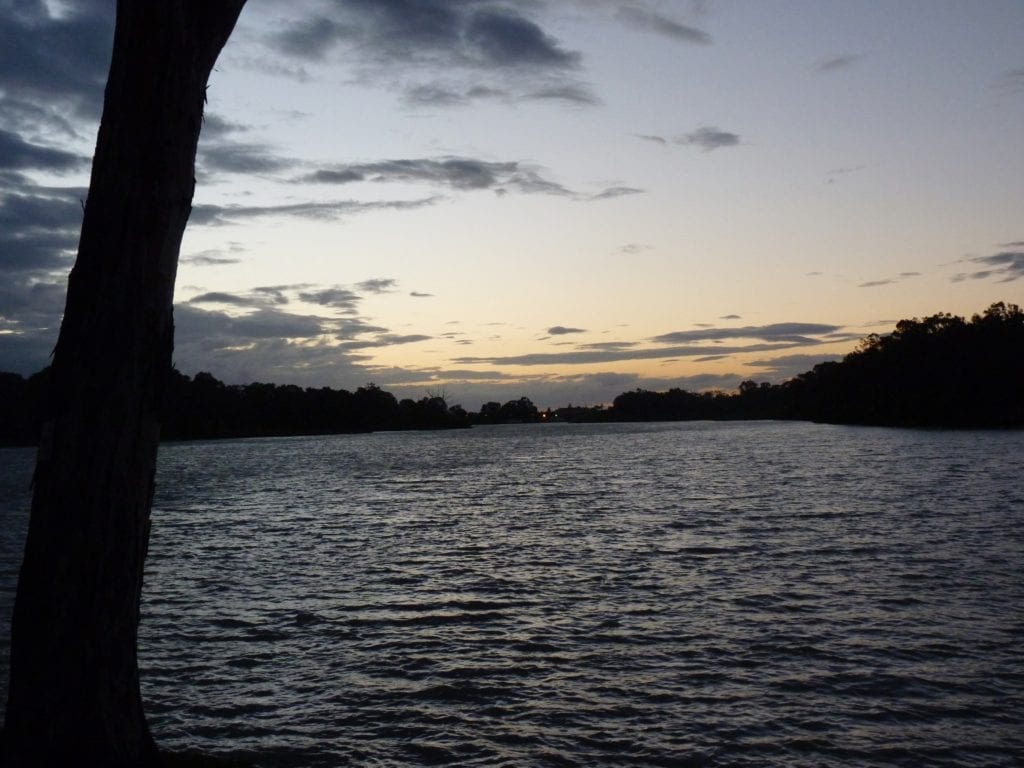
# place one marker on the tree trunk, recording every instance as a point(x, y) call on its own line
point(74, 685)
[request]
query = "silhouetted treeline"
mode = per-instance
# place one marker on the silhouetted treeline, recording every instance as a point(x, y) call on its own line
point(521, 411)
point(201, 408)
point(941, 371)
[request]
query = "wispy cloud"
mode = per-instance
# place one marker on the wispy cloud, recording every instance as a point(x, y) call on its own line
point(613, 192)
point(211, 214)
point(237, 300)
point(709, 138)
point(461, 174)
point(833, 175)
point(678, 344)
point(1012, 80)
point(1004, 267)
point(632, 249)
point(223, 156)
point(651, 21)
point(587, 357)
point(561, 330)
point(889, 280)
point(776, 332)
point(336, 298)
point(378, 285)
point(837, 63)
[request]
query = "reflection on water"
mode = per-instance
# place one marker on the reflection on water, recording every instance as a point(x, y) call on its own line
point(694, 594)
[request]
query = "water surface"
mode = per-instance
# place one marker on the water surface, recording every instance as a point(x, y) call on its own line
point(740, 594)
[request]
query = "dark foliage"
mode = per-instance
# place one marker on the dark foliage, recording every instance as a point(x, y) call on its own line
point(203, 408)
point(939, 371)
point(521, 411)
point(942, 371)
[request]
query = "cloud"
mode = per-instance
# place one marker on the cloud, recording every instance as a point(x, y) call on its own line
point(233, 299)
point(1006, 266)
point(217, 127)
point(837, 63)
point(1012, 80)
point(889, 280)
point(209, 258)
point(444, 33)
point(709, 138)
point(459, 173)
point(421, 295)
point(281, 361)
point(210, 214)
point(230, 157)
point(384, 340)
point(352, 327)
point(616, 346)
point(776, 332)
point(591, 356)
point(561, 330)
point(730, 317)
point(653, 139)
point(437, 53)
point(612, 192)
point(456, 172)
point(442, 94)
point(378, 285)
point(336, 298)
point(343, 176)
point(634, 248)
point(220, 328)
point(18, 154)
point(785, 367)
point(655, 22)
point(48, 59)
point(38, 232)
point(834, 174)
point(573, 93)
point(285, 347)
point(500, 37)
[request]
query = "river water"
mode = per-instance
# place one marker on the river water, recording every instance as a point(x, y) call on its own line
point(698, 594)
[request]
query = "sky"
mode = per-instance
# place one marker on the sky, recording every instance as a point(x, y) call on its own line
point(557, 199)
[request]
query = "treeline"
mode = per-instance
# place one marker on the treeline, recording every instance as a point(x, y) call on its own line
point(203, 408)
point(939, 371)
point(942, 371)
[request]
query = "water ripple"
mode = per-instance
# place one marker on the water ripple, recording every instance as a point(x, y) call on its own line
point(649, 595)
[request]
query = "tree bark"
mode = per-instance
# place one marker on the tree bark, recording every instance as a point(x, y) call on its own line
point(74, 694)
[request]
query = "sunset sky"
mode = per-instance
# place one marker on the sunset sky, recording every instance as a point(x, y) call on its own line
point(562, 199)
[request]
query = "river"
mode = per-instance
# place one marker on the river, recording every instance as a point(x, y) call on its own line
point(705, 594)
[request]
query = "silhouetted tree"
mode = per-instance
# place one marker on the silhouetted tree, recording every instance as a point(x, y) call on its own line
point(74, 690)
